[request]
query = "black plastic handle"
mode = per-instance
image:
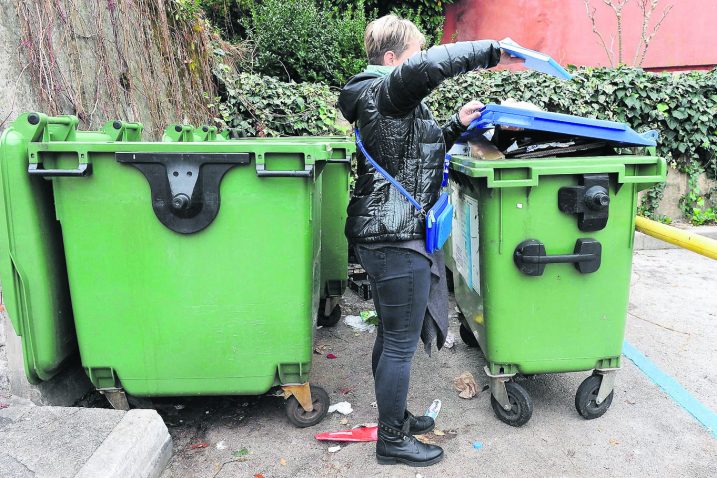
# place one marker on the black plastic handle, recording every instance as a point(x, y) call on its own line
point(264, 173)
point(558, 258)
point(530, 257)
point(83, 169)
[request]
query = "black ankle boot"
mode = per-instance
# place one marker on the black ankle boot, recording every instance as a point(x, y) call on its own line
point(397, 446)
point(418, 425)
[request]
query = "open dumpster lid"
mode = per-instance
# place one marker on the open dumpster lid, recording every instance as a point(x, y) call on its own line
point(611, 131)
point(535, 60)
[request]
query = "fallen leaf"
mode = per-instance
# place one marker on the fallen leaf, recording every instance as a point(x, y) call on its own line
point(199, 445)
point(344, 421)
point(438, 433)
point(258, 475)
point(282, 462)
point(630, 402)
point(424, 439)
point(345, 390)
point(614, 441)
point(330, 356)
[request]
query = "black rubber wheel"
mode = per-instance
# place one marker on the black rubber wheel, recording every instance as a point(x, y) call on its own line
point(467, 337)
point(522, 406)
point(301, 418)
point(585, 399)
point(328, 320)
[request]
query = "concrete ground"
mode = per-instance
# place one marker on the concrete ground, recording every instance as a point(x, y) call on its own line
point(645, 433)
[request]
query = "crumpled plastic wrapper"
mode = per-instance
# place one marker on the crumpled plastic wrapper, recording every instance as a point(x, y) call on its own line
point(466, 385)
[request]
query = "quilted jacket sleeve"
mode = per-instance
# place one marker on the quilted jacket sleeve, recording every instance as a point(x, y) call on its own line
point(451, 130)
point(408, 84)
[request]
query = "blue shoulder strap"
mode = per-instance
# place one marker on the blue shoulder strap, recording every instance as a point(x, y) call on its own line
point(385, 174)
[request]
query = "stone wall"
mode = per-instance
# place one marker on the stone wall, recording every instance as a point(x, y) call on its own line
point(122, 59)
point(675, 188)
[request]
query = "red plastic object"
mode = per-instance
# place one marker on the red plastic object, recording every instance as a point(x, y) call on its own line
point(353, 435)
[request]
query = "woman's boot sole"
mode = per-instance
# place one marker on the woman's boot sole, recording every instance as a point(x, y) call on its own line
point(390, 460)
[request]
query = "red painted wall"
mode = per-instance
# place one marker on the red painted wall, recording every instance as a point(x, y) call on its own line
point(561, 28)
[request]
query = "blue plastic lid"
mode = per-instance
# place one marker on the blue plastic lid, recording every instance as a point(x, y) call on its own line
point(496, 115)
point(536, 60)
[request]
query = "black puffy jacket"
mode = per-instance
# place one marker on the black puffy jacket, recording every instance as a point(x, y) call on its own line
point(399, 132)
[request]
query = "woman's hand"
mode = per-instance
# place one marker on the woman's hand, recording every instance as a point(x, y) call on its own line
point(469, 112)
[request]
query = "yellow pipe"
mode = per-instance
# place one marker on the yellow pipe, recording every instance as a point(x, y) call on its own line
point(687, 240)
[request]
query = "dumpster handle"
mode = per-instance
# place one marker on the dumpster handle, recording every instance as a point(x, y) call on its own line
point(83, 169)
point(530, 257)
point(307, 172)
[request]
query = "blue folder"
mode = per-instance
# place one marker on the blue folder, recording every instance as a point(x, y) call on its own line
point(618, 133)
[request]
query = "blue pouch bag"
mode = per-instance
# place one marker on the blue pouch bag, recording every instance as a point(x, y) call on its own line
point(438, 219)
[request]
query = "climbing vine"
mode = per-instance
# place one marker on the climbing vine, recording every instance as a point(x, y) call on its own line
point(136, 60)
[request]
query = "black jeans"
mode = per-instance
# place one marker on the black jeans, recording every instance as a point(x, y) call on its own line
point(400, 284)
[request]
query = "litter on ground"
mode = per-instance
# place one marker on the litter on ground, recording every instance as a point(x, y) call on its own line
point(465, 383)
point(343, 408)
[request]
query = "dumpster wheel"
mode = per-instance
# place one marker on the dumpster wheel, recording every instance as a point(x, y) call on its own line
point(521, 406)
point(331, 319)
point(586, 398)
point(300, 417)
point(467, 337)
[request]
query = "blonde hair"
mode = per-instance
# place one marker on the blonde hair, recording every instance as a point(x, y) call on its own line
point(389, 33)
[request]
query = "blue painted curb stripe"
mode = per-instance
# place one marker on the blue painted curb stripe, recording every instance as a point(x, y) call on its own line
point(704, 415)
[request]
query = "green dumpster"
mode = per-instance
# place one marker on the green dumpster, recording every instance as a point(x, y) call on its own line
point(32, 265)
point(193, 268)
point(335, 200)
point(542, 286)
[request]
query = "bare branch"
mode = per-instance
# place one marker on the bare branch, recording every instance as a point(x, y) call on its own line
point(591, 15)
point(646, 40)
point(617, 7)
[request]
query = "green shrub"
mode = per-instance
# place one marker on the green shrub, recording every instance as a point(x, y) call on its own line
point(297, 40)
point(428, 15)
point(256, 105)
point(227, 15)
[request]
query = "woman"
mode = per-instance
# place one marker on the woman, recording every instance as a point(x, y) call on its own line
point(408, 284)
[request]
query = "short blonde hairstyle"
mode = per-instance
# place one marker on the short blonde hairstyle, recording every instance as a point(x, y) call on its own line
point(389, 33)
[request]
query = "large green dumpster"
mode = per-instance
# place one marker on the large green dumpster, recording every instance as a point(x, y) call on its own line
point(542, 286)
point(32, 262)
point(193, 268)
point(335, 199)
